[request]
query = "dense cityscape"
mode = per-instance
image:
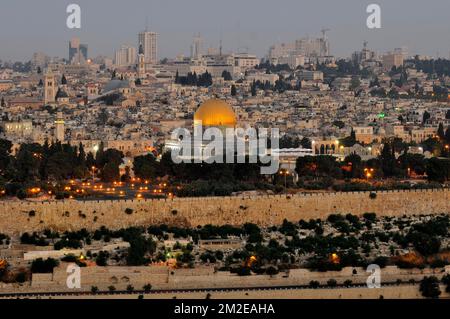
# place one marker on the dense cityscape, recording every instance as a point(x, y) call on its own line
point(84, 136)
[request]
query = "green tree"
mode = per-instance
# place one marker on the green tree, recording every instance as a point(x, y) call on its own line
point(355, 83)
point(426, 116)
point(388, 161)
point(5, 154)
point(147, 288)
point(102, 258)
point(429, 287)
point(146, 166)
point(110, 172)
point(356, 166)
point(253, 88)
point(440, 131)
point(139, 247)
point(233, 90)
point(43, 266)
point(438, 169)
point(227, 75)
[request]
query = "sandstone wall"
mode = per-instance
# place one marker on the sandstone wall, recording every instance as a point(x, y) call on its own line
point(161, 277)
point(20, 216)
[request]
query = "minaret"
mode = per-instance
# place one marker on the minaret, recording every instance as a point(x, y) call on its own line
point(141, 62)
point(59, 127)
point(49, 88)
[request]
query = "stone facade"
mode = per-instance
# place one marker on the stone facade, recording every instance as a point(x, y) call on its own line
point(24, 216)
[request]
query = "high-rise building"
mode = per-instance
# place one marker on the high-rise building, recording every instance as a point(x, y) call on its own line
point(125, 56)
point(364, 55)
point(279, 50)
point(312, 47)
point(78, 53)
point(39, 59)
point(307, 47)
point(196, 48)
point(392, 59)
point(149, 41)
point(403, 51)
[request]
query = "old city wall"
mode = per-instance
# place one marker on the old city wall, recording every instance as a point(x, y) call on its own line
point(162, 277)
point(20, 216)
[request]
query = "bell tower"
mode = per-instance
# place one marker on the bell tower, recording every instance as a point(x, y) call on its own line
point(141, 62)
point(49, 88)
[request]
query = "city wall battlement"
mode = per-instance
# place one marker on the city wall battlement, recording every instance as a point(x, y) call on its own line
point(27, 216)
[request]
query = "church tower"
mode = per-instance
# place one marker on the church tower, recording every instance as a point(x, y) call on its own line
point(59, 127)
point(141, 62)
point(49, 88)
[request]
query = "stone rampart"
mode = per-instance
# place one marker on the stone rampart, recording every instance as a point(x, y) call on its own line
point(26, 216)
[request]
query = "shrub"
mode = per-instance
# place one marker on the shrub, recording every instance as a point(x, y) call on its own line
point(429, 287)
point(21, 194)
point(69, 258)
point(147, 287)
point(271, 270)
point(21, 277)
point(102, 258)
point(43, 266)
point(243, 271)
point(347, 283)
point(332, 283)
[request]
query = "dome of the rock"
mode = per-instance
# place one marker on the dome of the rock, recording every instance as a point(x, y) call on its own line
point(215, 112)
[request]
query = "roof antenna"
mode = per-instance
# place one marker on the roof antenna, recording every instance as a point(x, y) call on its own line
point(220, 43)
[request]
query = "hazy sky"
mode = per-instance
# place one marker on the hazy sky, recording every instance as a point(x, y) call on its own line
point(27, 26)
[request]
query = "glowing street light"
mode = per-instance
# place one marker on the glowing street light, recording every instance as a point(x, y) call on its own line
point(93, 173)
point(285, 173)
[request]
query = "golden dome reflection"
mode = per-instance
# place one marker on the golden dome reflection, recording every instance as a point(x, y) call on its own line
point(215, 112)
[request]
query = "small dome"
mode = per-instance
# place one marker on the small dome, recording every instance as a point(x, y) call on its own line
point(215, 112)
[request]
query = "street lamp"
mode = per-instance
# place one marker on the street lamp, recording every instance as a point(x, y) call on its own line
point(368, 172)
point(93, 173)
point(285, 173)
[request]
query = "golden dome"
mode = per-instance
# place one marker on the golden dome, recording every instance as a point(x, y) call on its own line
point(215, 112)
